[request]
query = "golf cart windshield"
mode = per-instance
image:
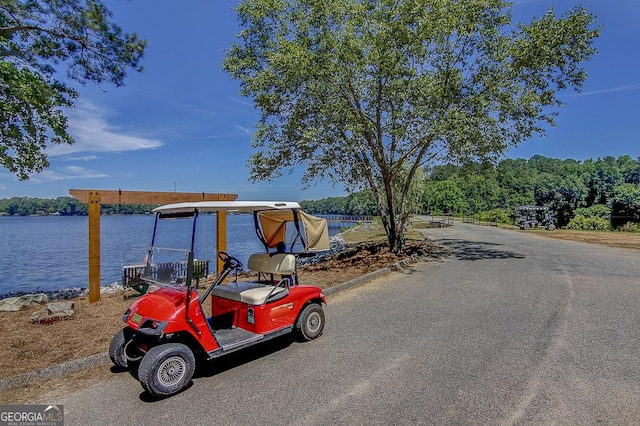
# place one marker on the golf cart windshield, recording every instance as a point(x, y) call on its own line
point(166, 266)
point(167, 259)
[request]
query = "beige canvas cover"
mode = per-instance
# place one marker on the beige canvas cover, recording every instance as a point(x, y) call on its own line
point(274, 222)
point(317, 232)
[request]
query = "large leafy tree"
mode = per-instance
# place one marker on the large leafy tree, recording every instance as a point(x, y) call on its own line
point(562, 194)
point(444, 197)
point(366, 92)
point(625, 204)
point(36, 37)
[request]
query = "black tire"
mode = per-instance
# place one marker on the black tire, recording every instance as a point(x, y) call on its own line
point(166, 369)
point(116, 350)
point(526, 226)
point(310, 322)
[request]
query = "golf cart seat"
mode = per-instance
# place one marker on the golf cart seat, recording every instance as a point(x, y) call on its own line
point(279, 263)
point(258, 293)
point(251, 293)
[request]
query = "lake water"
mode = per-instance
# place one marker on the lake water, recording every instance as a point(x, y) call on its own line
point(51, 252)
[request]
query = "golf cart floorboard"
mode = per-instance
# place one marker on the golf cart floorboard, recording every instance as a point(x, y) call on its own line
point(232, 338)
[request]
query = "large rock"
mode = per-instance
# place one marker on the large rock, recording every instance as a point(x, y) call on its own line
point(14, 304)
point(55, 311)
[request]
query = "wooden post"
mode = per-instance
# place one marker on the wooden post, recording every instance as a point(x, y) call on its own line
point(94, 246)
point(221, 231)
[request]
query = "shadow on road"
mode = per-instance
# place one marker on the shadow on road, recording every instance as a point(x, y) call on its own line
point(468, 250)
point(219, 365)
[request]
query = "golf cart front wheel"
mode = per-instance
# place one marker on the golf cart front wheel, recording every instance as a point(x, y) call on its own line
point(166, 369)
point(311, 322)
point(116, 350)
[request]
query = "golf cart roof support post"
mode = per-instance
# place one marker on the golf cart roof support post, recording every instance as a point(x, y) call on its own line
point(193, 231)
point(94, 197)
point(188, 287)
point(256, 224)
point(298, 233)
point(155, 226)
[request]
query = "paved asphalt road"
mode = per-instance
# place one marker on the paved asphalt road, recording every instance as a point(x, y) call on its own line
point(500, 327)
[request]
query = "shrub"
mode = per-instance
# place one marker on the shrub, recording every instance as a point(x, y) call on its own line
point(597, 210)
point(495, 215)
point(592, 223)
point(630, 227)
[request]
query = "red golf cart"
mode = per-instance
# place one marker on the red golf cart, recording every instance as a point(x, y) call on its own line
point(167, 329)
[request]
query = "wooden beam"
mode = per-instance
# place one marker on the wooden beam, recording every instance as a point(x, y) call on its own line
point(147, 197)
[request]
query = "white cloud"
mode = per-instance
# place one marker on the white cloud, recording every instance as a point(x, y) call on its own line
point(82, 158)
point(89, 125)
point(65, 173)
point(611, 90)
point(241, 133)
point(243, 129)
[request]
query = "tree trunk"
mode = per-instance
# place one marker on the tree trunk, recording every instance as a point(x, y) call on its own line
point(392, 228)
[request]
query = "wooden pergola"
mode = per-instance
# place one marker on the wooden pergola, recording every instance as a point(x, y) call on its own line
point(96, 197)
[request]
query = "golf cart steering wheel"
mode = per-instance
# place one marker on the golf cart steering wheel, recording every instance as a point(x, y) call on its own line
point(230, 261)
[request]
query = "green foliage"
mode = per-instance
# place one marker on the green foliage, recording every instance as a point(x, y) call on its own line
point(566, 186)
point(592, 223)
point(561, 194)
point(36, 37)
point(625, 204)
point(365, 93)
point(359, 203)
point(481, 192)
point(496, 215)
point(444, 197)
point(598, 210)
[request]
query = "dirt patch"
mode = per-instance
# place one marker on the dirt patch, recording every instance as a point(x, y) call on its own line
point(626, 240)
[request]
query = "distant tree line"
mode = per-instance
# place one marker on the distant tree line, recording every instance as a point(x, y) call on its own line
point(63, 206)
point(592, 194)
point(359, 203)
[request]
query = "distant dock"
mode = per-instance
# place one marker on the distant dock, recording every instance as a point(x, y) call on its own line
point(338, 219)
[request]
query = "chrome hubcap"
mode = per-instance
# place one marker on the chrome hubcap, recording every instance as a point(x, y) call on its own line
point(313, 322)
point(171, 371)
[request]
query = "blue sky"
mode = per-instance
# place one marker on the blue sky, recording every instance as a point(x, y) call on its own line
point(181, 124)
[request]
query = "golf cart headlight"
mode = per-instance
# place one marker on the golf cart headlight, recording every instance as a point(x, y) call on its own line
point(125, 317)
point(151, 326)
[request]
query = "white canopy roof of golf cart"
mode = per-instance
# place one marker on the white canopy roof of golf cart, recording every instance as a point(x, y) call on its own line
point(226, 206)
point(271, 214)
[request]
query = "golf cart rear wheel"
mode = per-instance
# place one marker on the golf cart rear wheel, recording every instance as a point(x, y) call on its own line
point(167, 368)
point(116, 350)
point(310, 322)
